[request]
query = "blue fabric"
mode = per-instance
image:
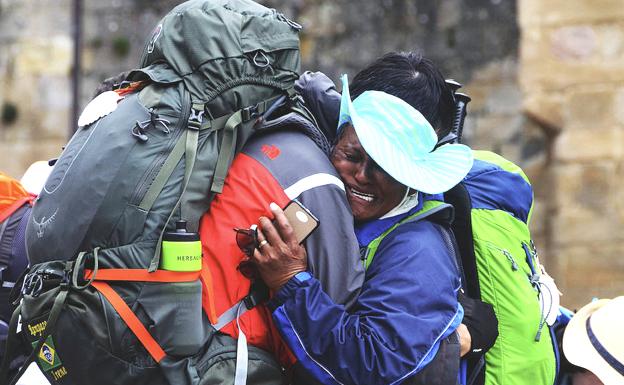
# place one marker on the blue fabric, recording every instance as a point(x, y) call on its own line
point(493, 188)
point(408, 303)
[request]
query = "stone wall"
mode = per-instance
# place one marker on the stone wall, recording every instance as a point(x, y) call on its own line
point(572, 77)
point(35, 97)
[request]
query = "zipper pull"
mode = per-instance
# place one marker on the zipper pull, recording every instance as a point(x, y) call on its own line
point(296, 26)
point(514, 265)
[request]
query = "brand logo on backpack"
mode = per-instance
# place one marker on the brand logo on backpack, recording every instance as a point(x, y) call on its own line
point(43, 224)
point(155, 36)
point(271, 151)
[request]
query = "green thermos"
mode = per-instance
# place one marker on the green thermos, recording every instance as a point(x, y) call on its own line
point(181, 250)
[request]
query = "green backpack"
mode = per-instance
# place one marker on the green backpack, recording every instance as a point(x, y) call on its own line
point(492, 212)
point(96, 306)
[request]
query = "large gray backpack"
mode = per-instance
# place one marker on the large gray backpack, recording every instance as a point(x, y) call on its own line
point(95, 305)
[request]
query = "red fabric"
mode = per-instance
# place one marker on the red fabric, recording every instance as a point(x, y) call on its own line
point(142, 275)
point(249, 189)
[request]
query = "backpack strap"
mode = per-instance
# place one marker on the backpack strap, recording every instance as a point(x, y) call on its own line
point(258, 293)
point(433, 210)
point(98, 278)
point(133, 322)
point(459, 197)
point(228, 146)
point(11, 345)
point(187, 146)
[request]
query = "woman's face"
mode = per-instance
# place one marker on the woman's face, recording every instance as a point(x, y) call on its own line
point(370, 190)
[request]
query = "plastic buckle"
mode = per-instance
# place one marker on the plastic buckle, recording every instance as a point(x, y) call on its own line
point(258, 293)
point(251, 301)
point(196, 118)
point(249, 113)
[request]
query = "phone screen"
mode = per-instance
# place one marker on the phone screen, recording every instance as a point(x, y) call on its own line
point(301, 219)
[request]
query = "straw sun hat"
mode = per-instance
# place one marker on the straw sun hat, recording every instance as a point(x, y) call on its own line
point(594, 340)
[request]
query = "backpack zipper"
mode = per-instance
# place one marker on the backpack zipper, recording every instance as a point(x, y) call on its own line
point(151, 173)
point(534, 280)
point(507, 254)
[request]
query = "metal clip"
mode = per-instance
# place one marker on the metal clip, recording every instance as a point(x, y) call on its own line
point(33, 283)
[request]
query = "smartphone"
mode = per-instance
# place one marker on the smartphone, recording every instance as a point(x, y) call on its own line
point(301, 219)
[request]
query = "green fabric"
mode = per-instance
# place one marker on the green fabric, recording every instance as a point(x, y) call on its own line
point(429, 208)
point(226, 151)
point(516, 358)
point(164, 174)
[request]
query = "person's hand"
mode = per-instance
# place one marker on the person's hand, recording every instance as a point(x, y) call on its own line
point(465, 341)
point(279, 256)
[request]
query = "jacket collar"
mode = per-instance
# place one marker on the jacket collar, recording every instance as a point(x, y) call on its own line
point(367, 231)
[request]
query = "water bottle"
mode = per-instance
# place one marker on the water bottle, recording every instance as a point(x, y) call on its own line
point(181, 252)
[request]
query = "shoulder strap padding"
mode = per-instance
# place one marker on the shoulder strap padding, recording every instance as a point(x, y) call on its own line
point(295, 121)
point(459, 197)
point(435, 211)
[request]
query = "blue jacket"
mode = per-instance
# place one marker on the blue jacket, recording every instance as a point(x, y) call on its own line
point(408, 303)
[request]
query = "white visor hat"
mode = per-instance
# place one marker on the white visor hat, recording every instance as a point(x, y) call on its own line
point(401, 141)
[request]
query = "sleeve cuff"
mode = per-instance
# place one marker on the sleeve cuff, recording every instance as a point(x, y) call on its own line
point(288, 290)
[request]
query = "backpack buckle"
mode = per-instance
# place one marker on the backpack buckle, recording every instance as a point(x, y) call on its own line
point(258, 293)
point(197, 116)
point(249, 113)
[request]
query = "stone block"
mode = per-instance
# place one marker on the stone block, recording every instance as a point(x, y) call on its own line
point(611, 41)
point(52, 56)
point(592, 144)
point(590, 107)
point(545, 109)
point(557, 12)
point(583, 204)
point(619, 107)
point(573, 43)
point(591, 270)
point(17, 156)
point(493, 131)
point(552, 63)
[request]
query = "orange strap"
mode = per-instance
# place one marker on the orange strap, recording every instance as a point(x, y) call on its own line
point(208, 299)
point(131, 320)
point(14, 206)
point(142, 275)
point(132, 87)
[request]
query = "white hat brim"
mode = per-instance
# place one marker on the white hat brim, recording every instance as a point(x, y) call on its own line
point(579, 350)
point(431, 172)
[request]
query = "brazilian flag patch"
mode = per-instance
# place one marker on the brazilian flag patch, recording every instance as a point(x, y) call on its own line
point(47, 356)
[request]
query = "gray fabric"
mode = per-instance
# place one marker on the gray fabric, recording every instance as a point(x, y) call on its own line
point(299, 158)
point(322, 99)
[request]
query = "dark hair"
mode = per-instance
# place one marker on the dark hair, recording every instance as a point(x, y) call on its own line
point(413, 78)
